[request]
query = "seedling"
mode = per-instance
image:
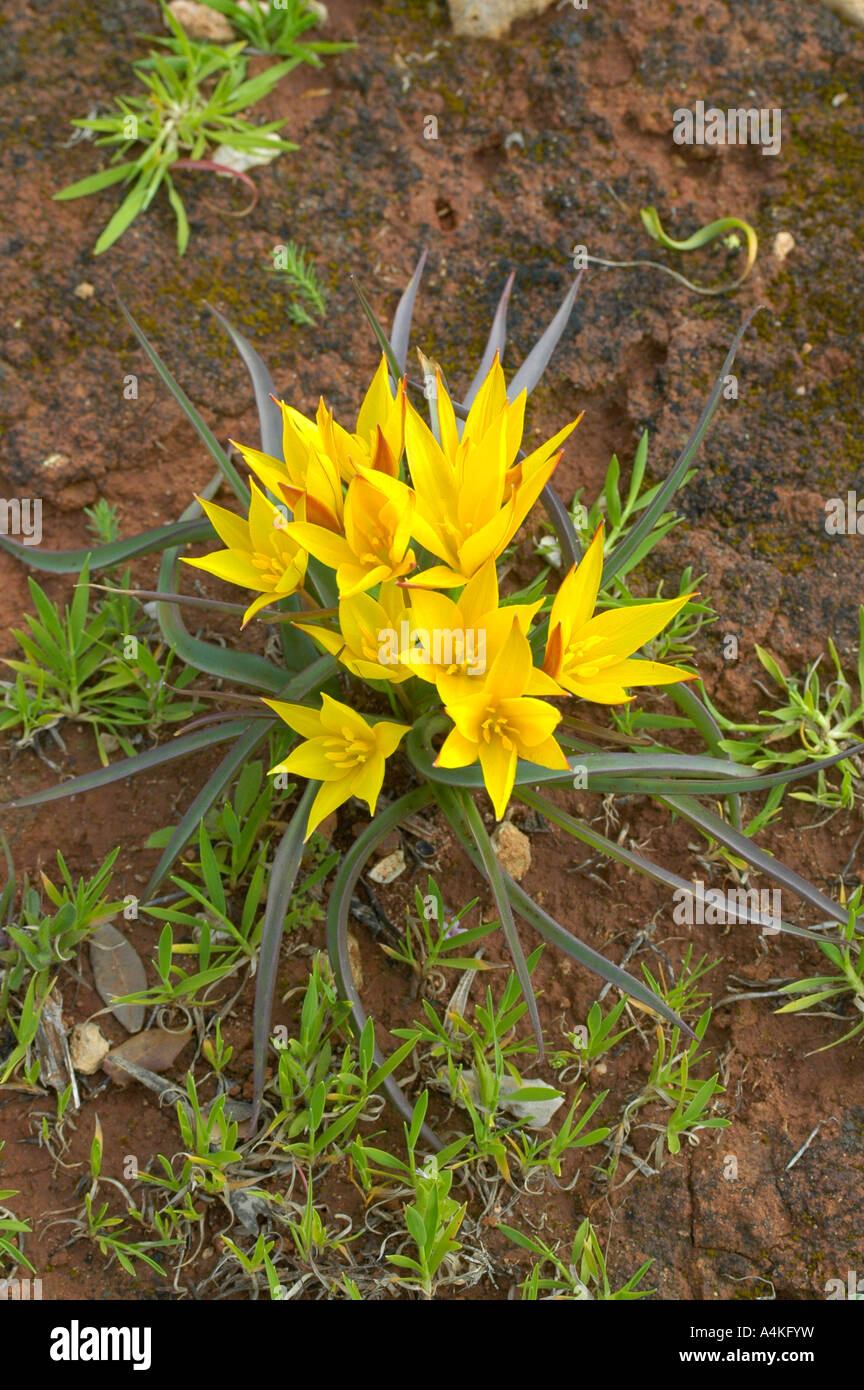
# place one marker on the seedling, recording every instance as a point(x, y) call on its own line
point(90, 667)
point(11, 1230)
point(276, 28)
point(195, 94)
point(308, 300)
point(583, 1276)
point(824, 720)
point(434, 941)
point(848, 979)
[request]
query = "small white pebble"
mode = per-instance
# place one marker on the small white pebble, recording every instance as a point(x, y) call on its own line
point(783, 244)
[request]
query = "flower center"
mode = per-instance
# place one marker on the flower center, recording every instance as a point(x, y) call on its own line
point(268, 564)
point(346, 751)
point(495, 726)
point(584, 658)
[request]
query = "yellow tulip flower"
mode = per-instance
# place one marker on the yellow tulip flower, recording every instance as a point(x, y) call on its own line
point(500, 724)
point(341, 750)
point(378, 436)
point(260, 554)
point(471, 496)
point(375, 444)
point(453, 643)
point(365, 624)
point(372, 544)
point(591, 655)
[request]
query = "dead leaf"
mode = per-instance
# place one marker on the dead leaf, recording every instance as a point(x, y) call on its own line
point(55, 1067)
point(155, 1048)
point(117, 970)
point(356, 962)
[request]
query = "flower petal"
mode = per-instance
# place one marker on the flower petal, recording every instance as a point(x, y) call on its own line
point(300, 718)
point(622, 631)
point(499, 773)
point(330, 795)
point(457, 751)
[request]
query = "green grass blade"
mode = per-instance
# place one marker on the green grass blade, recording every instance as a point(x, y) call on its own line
point(94, 183)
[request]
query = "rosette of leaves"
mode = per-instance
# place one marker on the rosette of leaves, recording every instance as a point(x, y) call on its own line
point(678, 782)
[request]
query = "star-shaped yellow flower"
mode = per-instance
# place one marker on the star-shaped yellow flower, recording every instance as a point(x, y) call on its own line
point(500, 724)
point(341, 750)
point(365, 625)
point(471, 495)
point(378, 436)
point(260, 554)
point(372, 545)
point(376, 443)
point(453, 643)
point(591, 655)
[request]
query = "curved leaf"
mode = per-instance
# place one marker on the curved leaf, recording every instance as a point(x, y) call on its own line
point(269, 414)
point(562, 524)
point(705, 724)
point(104, 556)
point(494, 343)
point(255, 733)
point(205, 434)
point(612, 850)
point(179, 747)
point(712, 825)
point(552, 931)
point(338, 909)
point(537, 360)
point(492, 872)
point(282, 878)
point(667, 490)
point(400, 333)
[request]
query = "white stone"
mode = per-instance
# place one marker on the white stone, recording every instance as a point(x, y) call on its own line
point(491, 19)
point(852, 10)
point(202, 24)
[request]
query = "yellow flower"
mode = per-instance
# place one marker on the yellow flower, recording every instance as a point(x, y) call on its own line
point(372, 544)
point(592, 656)
point(453, 643)
point(341, 751)
point(375, 444)
point(471, 494)
point(378, 437)
point(260, 554)
point(361, 643)
point(500, 724)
